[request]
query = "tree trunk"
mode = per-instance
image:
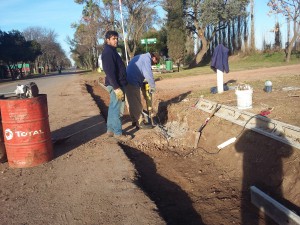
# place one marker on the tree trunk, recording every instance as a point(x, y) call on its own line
point(239, 34)
point(11, 71)
point(224, 40)
point(129, 52)
point(246, 45)
point(203, 50)
point(288, 32)
point(292, 42)
point(21, 71)
point(252, 42)
point(233, 37)
point(220, 35)
point(229, 44)
point(215, 42)
point(112, 17)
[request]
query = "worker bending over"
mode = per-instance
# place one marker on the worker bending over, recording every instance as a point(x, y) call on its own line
point(138, 70)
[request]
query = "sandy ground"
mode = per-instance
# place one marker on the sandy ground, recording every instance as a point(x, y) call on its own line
point(157, 179)
point(89, 181)
point(205, 186)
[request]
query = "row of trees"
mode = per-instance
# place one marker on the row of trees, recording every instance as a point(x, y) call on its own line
point(14, 50)
point(35, 46)
point(99, 16)
point(53, 57)
point(215, 22)
point(188, 23)
point(290, 9)
point(204, 22)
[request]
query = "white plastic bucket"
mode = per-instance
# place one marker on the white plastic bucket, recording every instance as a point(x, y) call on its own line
point(244, 99)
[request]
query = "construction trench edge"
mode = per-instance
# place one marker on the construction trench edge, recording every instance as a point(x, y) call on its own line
point(175, 140)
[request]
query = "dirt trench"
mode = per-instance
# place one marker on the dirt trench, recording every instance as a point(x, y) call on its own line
point(204, 185)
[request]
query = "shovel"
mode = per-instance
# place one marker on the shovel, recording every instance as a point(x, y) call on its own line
point(199, 132)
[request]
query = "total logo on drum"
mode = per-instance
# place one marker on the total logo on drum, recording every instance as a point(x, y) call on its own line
point(9, 134)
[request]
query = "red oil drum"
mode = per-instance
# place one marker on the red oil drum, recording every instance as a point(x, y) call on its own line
point(2, 147)
point(26, 131)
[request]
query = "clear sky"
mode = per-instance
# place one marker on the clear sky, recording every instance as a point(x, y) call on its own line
point(264, 23)
point(58, 15)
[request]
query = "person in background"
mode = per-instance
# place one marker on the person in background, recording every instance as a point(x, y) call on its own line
point(115, 81)
point(138, 71)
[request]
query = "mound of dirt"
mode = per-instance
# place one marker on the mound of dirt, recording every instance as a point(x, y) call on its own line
point(190, 185)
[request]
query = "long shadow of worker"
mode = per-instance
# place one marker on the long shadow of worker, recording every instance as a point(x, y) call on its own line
point(162, 109)
point(262, 167)
point(173, 203)
point(69, 137)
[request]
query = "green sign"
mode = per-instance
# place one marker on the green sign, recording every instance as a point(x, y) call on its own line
point(151, 40)
point(148, 41)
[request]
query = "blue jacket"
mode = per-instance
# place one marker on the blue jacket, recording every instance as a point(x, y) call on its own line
point(113, 67)
point(139, 69)
point(220, 59)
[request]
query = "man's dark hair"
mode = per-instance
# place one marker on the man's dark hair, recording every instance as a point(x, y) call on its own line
point(156, 55)
point(111, 33)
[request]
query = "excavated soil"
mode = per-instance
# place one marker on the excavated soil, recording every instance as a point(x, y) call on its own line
point(204, 185)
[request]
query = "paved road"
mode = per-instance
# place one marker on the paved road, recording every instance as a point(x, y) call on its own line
point(41, 81)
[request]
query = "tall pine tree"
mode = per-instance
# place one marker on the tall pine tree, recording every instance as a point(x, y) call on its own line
point(176, 31)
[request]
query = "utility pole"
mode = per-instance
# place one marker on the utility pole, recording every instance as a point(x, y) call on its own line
point(120, 5)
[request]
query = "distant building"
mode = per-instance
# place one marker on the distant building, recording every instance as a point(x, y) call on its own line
point(5, 72)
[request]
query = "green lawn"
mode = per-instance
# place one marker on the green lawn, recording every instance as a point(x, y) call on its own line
point(236, 63)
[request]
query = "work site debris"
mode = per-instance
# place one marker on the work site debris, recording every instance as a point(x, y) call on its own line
point(291, 88)
point(242, 87)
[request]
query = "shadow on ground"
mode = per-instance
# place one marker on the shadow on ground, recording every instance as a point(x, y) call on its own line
point(68, 138)
point(162, 111)
point(173, 203)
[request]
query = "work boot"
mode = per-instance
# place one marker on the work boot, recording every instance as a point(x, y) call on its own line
point(123, 137)
point(134, 124)
point(109, 134)
point(142, 125)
